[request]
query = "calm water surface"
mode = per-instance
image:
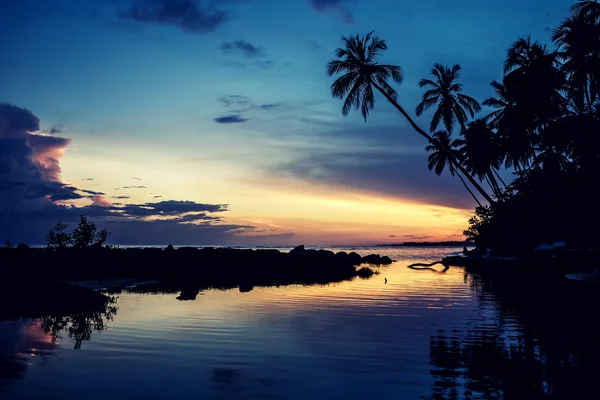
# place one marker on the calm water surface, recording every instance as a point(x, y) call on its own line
point(423, 334)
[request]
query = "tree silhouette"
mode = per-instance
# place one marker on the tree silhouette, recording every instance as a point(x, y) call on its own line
point(443, 152)
point(445, 92)
point(357, 61)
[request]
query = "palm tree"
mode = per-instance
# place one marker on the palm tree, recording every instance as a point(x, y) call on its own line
point(445, 92)
point(443, 155)
point(532, 76)
point(512, 125)
point(357, 60)
point(578, 38)
point(587, 8)
point(479, 149)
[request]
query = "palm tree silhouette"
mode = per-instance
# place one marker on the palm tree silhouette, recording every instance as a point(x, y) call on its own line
point(578, 39)
point(445, 92)
point(510, 122)
point(480, 152)
point(357, 60)
point(443, 153)
point(588, 8)
point(532, 76)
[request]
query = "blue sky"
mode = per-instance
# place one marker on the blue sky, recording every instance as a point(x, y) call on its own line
point(228, 103)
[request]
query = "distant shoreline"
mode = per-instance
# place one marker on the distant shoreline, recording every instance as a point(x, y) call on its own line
point(425, 244)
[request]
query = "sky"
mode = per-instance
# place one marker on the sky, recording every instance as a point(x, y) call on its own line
point(212, 123)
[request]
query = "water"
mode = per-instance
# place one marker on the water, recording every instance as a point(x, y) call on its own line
point(423, 334)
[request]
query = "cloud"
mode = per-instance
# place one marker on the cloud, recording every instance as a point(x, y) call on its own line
point(99, 200)
point(386, 161)
point(31, 200)
point(88, 179)
point(156, 197)
point(392, 236)
point(231, 119)
point(324, 6)
point(238, 104)
point(120, 197)
point(131, 187)
point(247, 49)
point(252, 65)
point(137, 179)
point(192, 16)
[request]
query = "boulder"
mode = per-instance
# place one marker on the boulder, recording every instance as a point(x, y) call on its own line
point(372, 259)
point(170, 248)
point(385, 260)
point(298, 250)
point(354, 258)
point(22, 246)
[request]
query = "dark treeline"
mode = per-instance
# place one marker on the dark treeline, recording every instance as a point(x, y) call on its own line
point(543, 125)
point(82, 255)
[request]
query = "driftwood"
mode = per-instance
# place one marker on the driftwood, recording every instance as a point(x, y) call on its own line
point(423, 266)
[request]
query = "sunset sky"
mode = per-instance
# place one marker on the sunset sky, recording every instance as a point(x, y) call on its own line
point(199, 122)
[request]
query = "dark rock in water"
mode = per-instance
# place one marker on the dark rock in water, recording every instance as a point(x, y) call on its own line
point(365, 272)
point(188, 294)
point(372, 259)
point(326, 253)
point(187, 250)
point(341, 254)
point(298, 250)
point(170, 248)
point(245, 288)
point(385, 260)
point(354, 258)
point(267, 252)
point(22, 246)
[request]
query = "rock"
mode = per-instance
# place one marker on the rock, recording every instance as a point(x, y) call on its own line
point(341, 254)
point(298, 250)
point(170, 248)
point(22, 246)
point(245, 288)
point(385, 260)
point(187, 250)
point(372, 259)
point(326, 253)
point(354, 258)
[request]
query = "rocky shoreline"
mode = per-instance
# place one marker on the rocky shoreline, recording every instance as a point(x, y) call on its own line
point(200, 267)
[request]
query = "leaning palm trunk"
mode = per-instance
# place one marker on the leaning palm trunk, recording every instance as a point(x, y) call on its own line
point(468, 189)
point(455, 162)
point(499, 177)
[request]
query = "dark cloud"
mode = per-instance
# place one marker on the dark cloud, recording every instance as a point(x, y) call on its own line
point(231, 119)
point(88, 179)
point(90, 192)
point(131, 187)
point(31, 201)
point(120, 198)
point(414, 237)
point(193, 16)
point(252, 65)
point(247, 49)
point(15, 118)
point(240, 104)
point(137, 179)
point(156, 197)
point(55, 129)
point(393, 174)
point(337, 6)
point(392, 236)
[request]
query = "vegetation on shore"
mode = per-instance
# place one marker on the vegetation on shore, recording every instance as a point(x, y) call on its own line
point(80, 255)
point(543, 125)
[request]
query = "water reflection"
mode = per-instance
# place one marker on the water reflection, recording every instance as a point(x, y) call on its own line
point(28, 341)
point(541, 343)
point(402, 334)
